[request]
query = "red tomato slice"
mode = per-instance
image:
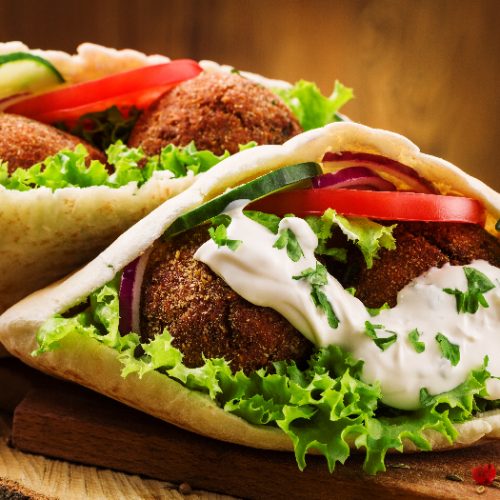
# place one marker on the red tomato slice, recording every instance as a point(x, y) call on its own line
point(137, 87)
point(387, 205)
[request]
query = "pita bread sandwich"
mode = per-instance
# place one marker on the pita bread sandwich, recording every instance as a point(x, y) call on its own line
point(337, 292)
point(92, 142)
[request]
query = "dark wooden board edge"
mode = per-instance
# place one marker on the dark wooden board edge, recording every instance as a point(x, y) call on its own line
point(65, 421)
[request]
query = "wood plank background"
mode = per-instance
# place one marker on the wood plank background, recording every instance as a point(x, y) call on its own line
point(428, 69)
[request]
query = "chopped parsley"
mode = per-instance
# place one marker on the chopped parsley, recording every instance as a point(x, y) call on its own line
point(288, 240)
point(317, 278)
point(448, 350)
point(269, 221)
point(477, 284)
point(381, 342)
point(218, 232)
point(413, 337)
point(375, 311)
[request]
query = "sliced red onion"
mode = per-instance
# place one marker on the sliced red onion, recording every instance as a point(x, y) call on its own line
point(353, 178)
point(5, 102)
point(130, 294)
point(381, 164)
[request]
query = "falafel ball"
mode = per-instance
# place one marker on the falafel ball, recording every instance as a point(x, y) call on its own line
point(419, 246)
point(461, 242)
point(206, 317)
point(218, 111)
point(24, 142)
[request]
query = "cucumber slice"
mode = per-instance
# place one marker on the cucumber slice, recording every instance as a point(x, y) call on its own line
point(252, 190)
point(21, 72)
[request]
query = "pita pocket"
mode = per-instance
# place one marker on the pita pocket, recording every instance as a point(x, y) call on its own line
point(50, 227)
point(366, 382)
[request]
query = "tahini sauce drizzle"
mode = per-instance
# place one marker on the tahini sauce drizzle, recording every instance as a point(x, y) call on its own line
point(263, 275)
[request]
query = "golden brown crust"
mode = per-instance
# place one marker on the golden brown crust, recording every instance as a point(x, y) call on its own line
point(219, 112)
point(206, 317)
point(24, 142)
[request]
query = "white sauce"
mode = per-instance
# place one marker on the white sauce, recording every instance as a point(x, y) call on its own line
point(263, 275)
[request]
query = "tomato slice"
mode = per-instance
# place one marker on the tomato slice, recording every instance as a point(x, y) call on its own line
point(137, 87)
point(387, 205)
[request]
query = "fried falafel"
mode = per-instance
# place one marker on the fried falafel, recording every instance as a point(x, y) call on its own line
point(206, 317)
point(24, 142)
point(420, 246)
point(217, 111)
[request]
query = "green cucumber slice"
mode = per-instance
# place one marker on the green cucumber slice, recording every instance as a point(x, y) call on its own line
point(22, 72)
point(252, 190)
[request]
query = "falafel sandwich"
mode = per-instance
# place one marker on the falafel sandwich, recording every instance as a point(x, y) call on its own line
point(91, 143)
point(339, 291)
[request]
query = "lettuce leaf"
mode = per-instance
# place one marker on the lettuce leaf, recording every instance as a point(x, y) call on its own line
point(324, 406)
point(69, 168)
point(311, 107)
point(369, 236)
point(103, 128)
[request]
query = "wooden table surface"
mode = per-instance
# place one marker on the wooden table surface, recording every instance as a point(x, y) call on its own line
point(64, 480)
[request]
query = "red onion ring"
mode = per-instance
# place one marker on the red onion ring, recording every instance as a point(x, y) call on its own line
point(381, 164)
point(130, 294)
point(353, 178)
point(5, 102)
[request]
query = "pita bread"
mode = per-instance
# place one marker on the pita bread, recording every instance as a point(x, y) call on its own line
point(90, 62)
point(45, 234)
point(80, 359)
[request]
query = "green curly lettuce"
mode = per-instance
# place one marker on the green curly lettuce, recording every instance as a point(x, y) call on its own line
point(324, 406)
point(367, 235)
point(72, 168)
point(311, 107)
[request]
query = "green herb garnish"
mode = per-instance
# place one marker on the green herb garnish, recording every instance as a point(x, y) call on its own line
point(269, 221)
point(413, 337)
point(218, 232)
point(477, 284)
point(448, 350)
point(288, 240)
point(375, 311)
point(317, 278)
point(381, 342)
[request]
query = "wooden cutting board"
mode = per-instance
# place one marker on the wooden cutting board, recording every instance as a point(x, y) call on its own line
point(62, 420)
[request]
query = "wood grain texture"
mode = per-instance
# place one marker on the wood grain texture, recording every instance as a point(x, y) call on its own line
point(65, 481)
point(427, 69)
point(70, 422)
point(60, 479)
